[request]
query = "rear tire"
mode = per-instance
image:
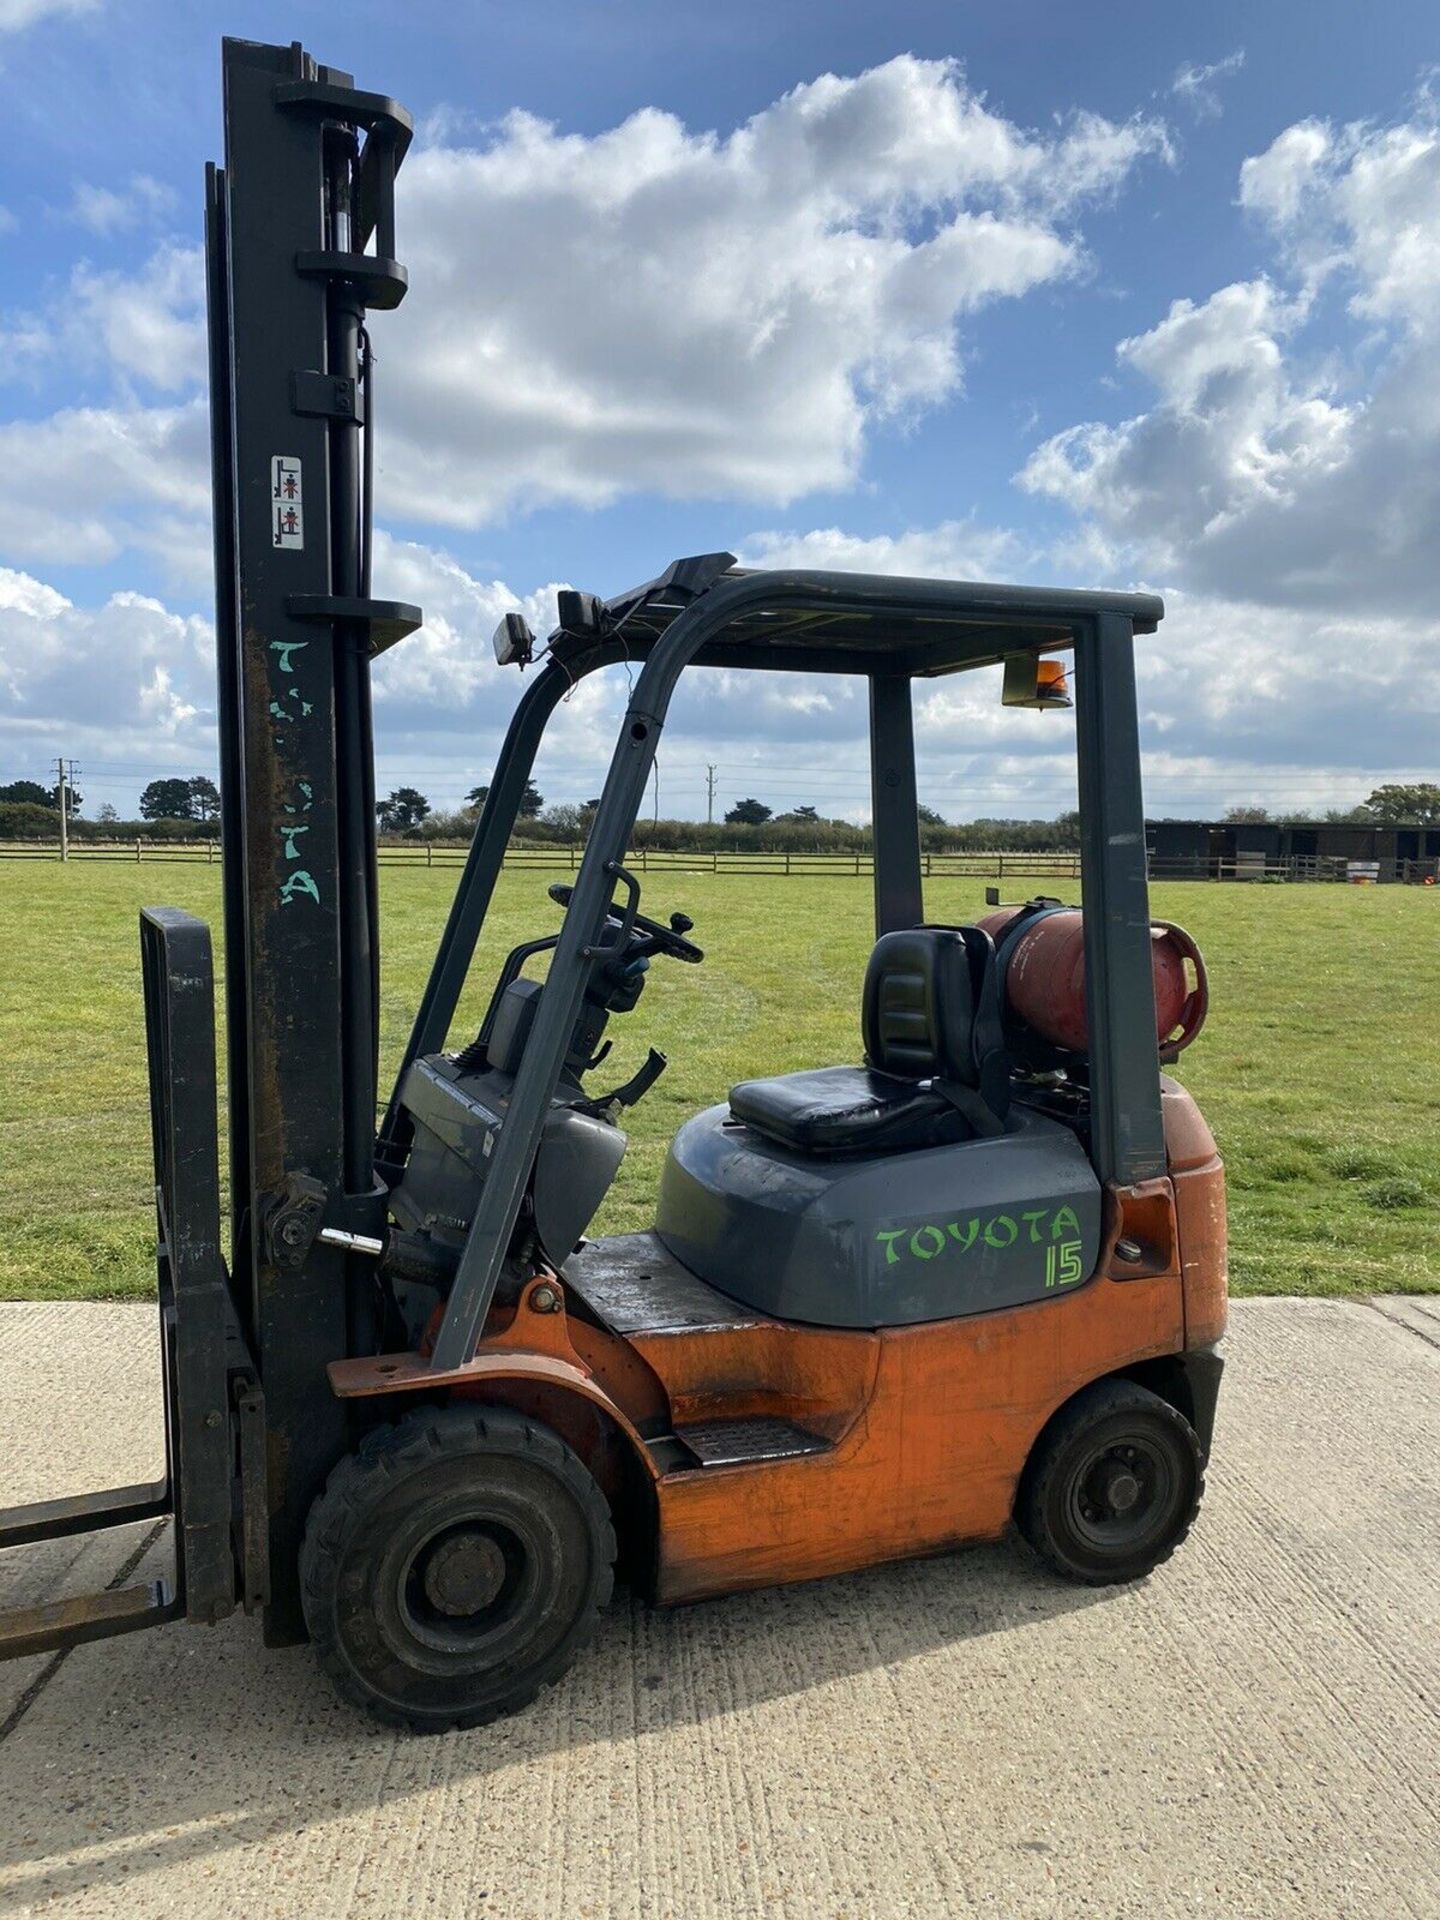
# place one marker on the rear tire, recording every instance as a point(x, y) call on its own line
point(1112, 1486)
point(453, 1566)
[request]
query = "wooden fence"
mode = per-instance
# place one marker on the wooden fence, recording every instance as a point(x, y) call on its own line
point(555, 859)
point(167, 852)
point(535, 857)
point(1065, 866)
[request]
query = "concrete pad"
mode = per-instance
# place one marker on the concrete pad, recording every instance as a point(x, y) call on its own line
point(1252, 1732)
point(80, 1413)
point(1418, 1311)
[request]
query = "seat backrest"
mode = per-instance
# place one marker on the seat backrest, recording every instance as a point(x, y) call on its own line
point(918, 1009)
point(510, 1029)
point(931, 1010)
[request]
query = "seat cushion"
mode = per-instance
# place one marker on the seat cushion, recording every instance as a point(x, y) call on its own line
point(847, 1110)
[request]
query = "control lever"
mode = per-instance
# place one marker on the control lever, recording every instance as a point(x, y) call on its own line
point(635, 1088)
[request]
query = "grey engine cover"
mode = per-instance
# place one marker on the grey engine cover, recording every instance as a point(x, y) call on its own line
point(882, 1241)
point(458, 1117)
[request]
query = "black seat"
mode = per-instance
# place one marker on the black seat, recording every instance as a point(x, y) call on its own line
point(935, 1066)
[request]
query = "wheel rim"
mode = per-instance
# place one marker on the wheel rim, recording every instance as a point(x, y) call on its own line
point(1122, 1495)
point(462, 1588)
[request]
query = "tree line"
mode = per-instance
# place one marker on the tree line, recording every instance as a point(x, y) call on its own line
point(1397, 804)
point(751, 822)
point(176, 806)
point(168, 807)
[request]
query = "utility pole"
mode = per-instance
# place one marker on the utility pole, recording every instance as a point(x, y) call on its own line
point(709, 796)
point(62, 792)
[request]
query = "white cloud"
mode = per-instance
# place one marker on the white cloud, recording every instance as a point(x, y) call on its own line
point(106, 211)
point(17, 14)
point(152, 325)
point(1274, 182)
point(1238, 703)
point(649, 309)
point(118, 682)
point(1297, 706)
point(1361, 202)
point(442, 705)
point(1195, 85)
point(86, 483)
point(162, 706)
point(82, 485)
point(21, 594)
point(692, 314)
point(1266, 469)
point(953, 550)
point(441, 702)
point(447, 671)
point(1239, 700)
point(659, 309)
point(1233, 441)
point(128, 686)
point(147, 326)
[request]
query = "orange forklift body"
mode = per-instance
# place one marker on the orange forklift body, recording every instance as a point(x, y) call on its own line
point(926, 1429)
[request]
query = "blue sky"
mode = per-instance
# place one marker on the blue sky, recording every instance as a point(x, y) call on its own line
point(1100, 294)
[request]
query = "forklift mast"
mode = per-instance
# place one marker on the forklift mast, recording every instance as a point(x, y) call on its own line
point(300, 244)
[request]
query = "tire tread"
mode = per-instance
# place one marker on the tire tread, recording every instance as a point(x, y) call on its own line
point(389, 1452)
point(1048, 1457)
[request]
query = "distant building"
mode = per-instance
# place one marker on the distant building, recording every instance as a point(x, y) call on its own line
point(1302, 849)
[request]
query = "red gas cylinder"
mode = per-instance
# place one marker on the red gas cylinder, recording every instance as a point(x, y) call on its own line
point(1044, 977)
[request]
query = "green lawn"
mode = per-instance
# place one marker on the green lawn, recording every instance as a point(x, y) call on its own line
point(1320, 1070)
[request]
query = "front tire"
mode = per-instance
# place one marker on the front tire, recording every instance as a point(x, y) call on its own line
point(1112, 1486)
point(453, 1566)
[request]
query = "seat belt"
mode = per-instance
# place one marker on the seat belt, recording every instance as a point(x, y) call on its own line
point(984, 1105)
point(991, 1056)
point(971, 1104)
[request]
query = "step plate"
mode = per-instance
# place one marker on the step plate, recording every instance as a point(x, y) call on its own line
point(733, 1443)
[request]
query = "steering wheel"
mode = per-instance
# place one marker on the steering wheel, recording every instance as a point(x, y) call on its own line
point(670, 940)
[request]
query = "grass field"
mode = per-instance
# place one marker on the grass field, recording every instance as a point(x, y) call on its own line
point(1320, 1070)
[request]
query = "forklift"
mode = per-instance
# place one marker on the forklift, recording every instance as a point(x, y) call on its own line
point(413, 1413)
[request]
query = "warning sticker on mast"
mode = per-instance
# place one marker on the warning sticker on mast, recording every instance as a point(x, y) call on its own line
point(287, 505)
